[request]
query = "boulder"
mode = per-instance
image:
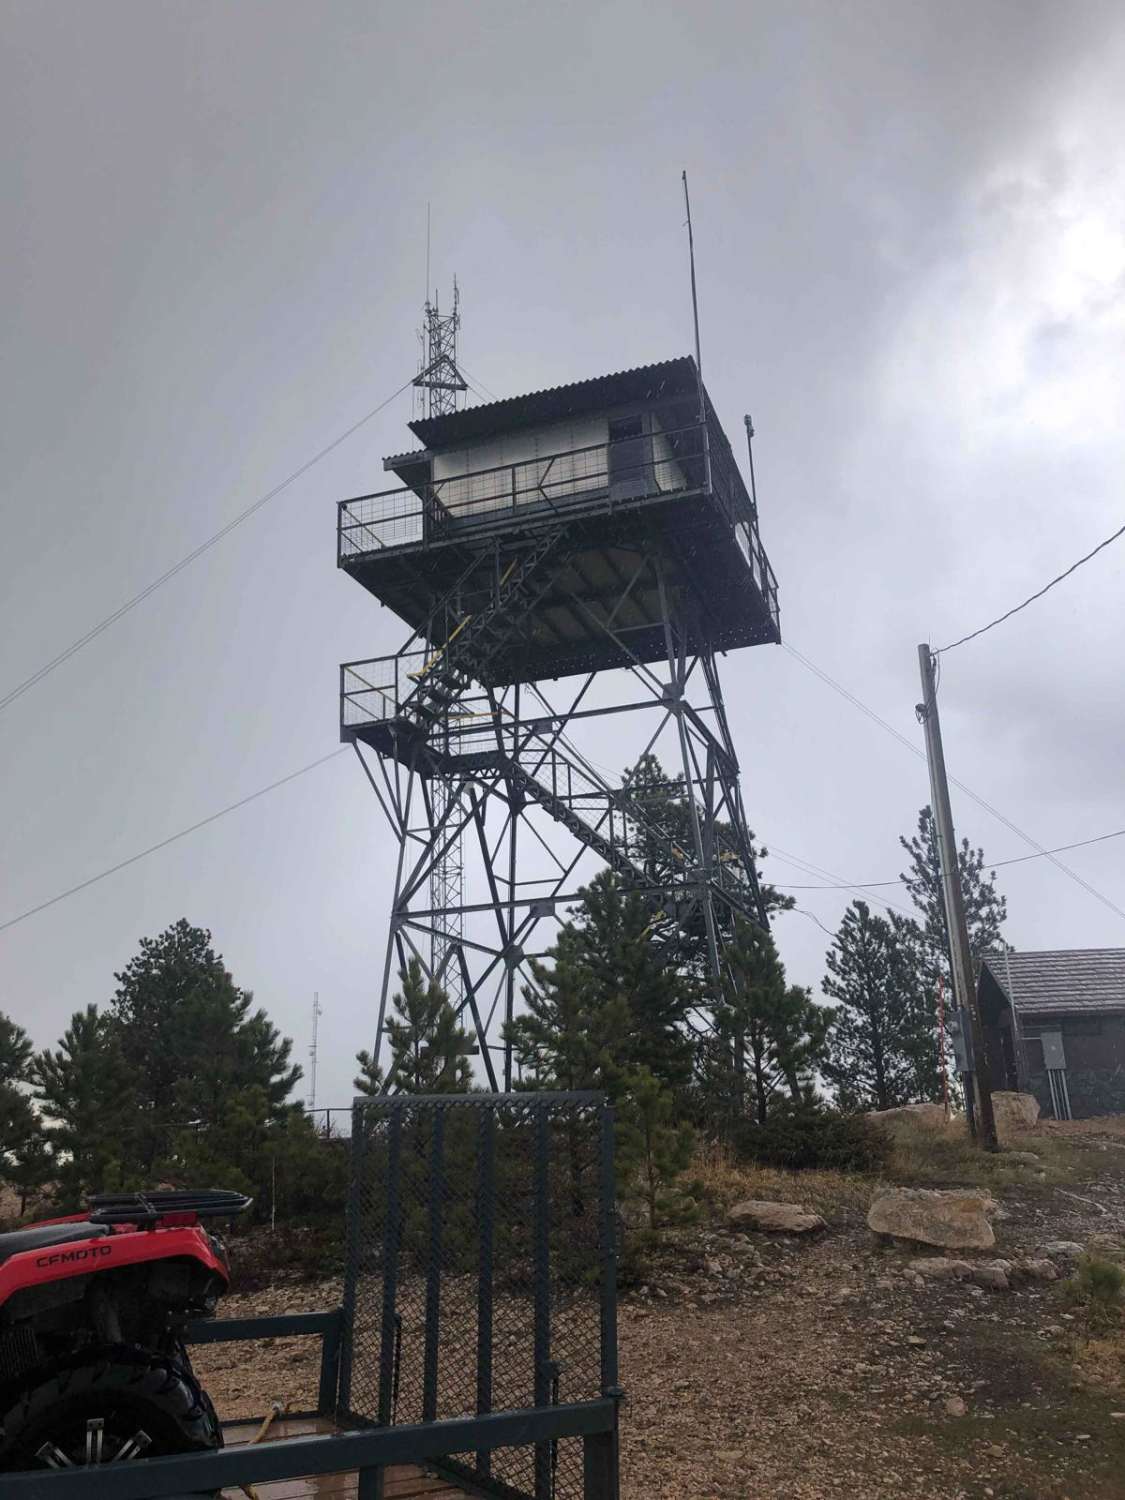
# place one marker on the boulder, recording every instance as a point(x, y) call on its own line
point(955, 1220)
point(994, 1277)
point(941, 1268)
point(1065, 1250)
point(774, 1218)
point(1037, 1268)
point(1022, 1158)
point(929, 1116)
point(1014, 1112)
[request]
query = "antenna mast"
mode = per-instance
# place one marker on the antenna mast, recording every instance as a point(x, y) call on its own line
point(439, 380)
point(703, 424)
point(316, 1015)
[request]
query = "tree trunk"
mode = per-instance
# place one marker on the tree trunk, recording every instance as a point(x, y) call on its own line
point(760, 1087)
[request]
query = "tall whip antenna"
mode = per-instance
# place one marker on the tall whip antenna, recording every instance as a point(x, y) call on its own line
point(694, 295)
point(698, 355)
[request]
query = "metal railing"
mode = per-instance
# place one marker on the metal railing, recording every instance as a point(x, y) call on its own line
point(660, 463)
point(371, 692)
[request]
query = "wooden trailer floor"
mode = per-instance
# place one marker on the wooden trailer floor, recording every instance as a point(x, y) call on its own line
point(407, 1482)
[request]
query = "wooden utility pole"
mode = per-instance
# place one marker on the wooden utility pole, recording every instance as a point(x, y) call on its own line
point(964, 989)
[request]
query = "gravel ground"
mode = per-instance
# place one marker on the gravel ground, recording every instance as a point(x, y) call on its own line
point(801, 1369)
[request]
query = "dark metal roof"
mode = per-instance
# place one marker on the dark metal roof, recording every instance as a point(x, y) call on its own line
point(667, 379)
point(1061, 981)
point(401, 460)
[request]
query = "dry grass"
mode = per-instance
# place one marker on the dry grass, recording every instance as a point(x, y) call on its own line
point(720, 1181)
point(948, 1158)
point(921, 1158)
point(1100, 1361)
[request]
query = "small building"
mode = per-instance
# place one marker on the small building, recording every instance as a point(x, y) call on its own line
point(1055, 1027)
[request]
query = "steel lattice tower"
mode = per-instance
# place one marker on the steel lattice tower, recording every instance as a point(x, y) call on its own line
point(439, 383)
point(571, 563)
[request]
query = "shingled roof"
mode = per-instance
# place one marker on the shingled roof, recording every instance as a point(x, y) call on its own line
point(1061, 981)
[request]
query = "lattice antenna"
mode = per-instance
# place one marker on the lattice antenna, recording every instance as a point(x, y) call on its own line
point(439, 380)
point(439, 383)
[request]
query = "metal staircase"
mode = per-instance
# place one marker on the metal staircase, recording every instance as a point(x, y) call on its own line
point(613, 851)
point(464, 658)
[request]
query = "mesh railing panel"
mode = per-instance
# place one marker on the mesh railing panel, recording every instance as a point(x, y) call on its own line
point(480, 1270)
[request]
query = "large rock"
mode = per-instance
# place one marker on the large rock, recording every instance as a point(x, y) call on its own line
point(956, 1220)
point(1037, 1268)
point(1014, 1112)
point(778, 1218)
point(1068, 1251)
point(941, 1268)
point(929, 1116)
point(993, 1277)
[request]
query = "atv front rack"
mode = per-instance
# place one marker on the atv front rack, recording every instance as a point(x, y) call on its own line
point(151, 1208)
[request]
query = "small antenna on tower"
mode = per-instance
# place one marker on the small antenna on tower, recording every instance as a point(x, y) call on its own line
point(317, 1012)
point(439, 379)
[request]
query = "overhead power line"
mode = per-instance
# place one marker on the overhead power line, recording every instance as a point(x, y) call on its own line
point(197, 552)
point(838, 883)
point(793, 859)
point(171, 839)
point(864, 708)
point(1032, 597)
point(993, 864)
point(870, 713)
point(812, 916)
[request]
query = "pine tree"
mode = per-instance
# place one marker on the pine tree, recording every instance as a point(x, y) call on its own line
point(569, 1035)
point(21, 1137)
point(190, 1041)
point(663, 817)
point(882, 1031)
point(369, 1080)
point(32, 1165)
point(622, 967)
point(85, 1094)
point(15, 1052)
point(652, 1146)
point(770, 1034)
point(429, 1050)
point(985, 909)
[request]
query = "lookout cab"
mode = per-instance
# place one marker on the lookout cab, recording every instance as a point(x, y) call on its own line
point(600, 473)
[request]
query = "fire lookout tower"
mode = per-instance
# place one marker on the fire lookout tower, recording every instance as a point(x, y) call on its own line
point(599, 532)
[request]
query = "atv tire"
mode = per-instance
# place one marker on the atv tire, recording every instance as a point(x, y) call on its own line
point(131, 1391)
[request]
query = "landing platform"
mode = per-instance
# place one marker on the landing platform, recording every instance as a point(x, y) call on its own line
point(405, 1482)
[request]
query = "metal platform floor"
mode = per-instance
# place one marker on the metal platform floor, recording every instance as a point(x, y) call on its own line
point(407, 1482)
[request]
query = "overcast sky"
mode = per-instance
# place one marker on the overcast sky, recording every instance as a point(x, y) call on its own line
point(910, 228)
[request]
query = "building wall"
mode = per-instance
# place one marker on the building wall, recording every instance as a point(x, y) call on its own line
point(540, 465)
point(531, 450)
point(1095, 1062)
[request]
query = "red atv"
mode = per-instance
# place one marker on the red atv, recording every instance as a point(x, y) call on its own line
point(93, 1309)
